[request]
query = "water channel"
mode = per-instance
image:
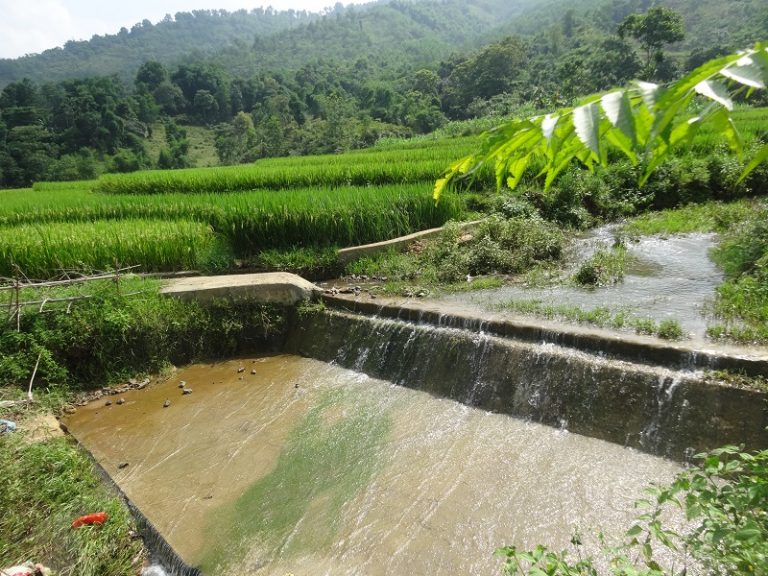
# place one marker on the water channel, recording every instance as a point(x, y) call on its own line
point(288, 465)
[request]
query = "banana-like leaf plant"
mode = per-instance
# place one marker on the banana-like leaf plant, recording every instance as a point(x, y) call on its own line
point(644, 122)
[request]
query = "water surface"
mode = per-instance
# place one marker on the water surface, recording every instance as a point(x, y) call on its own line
point(307, 468)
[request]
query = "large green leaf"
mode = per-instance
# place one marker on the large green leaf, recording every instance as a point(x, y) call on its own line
point(757, 159)
point(644, 122)
point(618, 109)
point(715, 90)
point(747, 72)
point(586, 121)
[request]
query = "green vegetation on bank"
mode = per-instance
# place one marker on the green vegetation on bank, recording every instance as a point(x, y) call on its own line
point(495, 246)
point(46, 485)
point(723, 498)
point(120, 331)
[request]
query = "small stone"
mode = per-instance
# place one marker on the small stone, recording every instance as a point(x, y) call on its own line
point(183, 384)
point(120, 401)
point(70, 409)
point(253, 372)
point(241, 370)
point(241, 378)
point(122, 465)
point(108, 403)
point(186, 391)
point(166, 403)
point(296, 385)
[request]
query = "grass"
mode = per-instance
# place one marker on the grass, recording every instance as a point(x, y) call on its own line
point(708, 217)
point(46, 486)
point(605, 268)
point(601, 316)
point(495, 247)
point(250, 221)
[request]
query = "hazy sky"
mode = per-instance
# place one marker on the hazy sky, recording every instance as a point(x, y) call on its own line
point(30, 26)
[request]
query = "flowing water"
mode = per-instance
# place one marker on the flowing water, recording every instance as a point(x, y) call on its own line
point(282, 464)
point(666, 278)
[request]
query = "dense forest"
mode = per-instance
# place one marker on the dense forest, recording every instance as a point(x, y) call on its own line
point(272, 83)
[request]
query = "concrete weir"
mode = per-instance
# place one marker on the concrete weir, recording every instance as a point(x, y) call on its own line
point(278, 288)
point(312, 461)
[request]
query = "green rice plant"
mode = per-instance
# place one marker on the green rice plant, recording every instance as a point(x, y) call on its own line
point(362, 168)
point(155, 245)
point(252, 221)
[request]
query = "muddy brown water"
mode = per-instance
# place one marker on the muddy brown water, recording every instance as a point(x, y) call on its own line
point(308, 468)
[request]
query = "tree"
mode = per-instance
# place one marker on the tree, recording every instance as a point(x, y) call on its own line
point(150, 75)
point(643, 122)
point(657, 27)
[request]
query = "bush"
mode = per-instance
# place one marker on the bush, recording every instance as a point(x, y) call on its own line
point(725, 500)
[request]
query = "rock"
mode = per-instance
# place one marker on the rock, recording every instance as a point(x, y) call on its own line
point(108, 403)
point(186, 391)
point(7, 426)
point(253, 371)
point(296, 385)
point(166, 403)
point(183, 384)
point(241, 370)
point(69, 409)
point(120, 401)
point(122, 465)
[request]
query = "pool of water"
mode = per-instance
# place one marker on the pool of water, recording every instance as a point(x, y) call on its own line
point(286, 465)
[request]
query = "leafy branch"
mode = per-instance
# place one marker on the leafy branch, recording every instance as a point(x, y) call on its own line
point(644, 122)
point(725, 502)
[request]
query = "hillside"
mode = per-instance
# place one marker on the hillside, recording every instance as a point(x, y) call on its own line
point(186, 35)
point(244, 43)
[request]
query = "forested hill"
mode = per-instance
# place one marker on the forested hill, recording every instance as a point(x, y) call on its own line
point(244, 43)
point(709, 24)
point(183, 36)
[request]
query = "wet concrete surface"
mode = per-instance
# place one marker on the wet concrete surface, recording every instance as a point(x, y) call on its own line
point(413, 485)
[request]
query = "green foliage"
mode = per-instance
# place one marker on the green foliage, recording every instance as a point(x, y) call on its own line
point(155, 245)
point(46, 486)
point(112, 337)
point(724, 498)
point(643, 123)
point(604, 268)
point(496, 246)
point(742, 300)
point(364, 168)
point(657, 27)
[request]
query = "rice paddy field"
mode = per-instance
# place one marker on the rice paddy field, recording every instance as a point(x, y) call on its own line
point(204, 219)
point(214, 219)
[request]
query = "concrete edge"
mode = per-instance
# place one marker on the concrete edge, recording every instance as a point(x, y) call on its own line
point(347, 255)
point(280, 288)
point(629, 348)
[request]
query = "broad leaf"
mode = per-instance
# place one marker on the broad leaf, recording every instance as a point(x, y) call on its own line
point(746, 72)
point(586, 121)
point(618, 109)
point(715, 90)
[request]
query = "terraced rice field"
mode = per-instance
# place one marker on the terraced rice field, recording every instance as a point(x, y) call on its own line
point(204, 218)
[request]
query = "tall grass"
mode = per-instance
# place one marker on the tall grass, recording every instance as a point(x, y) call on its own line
point(405, 165)
point(156, 245)
point(251, 221)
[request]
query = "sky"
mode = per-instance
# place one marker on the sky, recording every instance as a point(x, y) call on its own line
point(31, 26)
